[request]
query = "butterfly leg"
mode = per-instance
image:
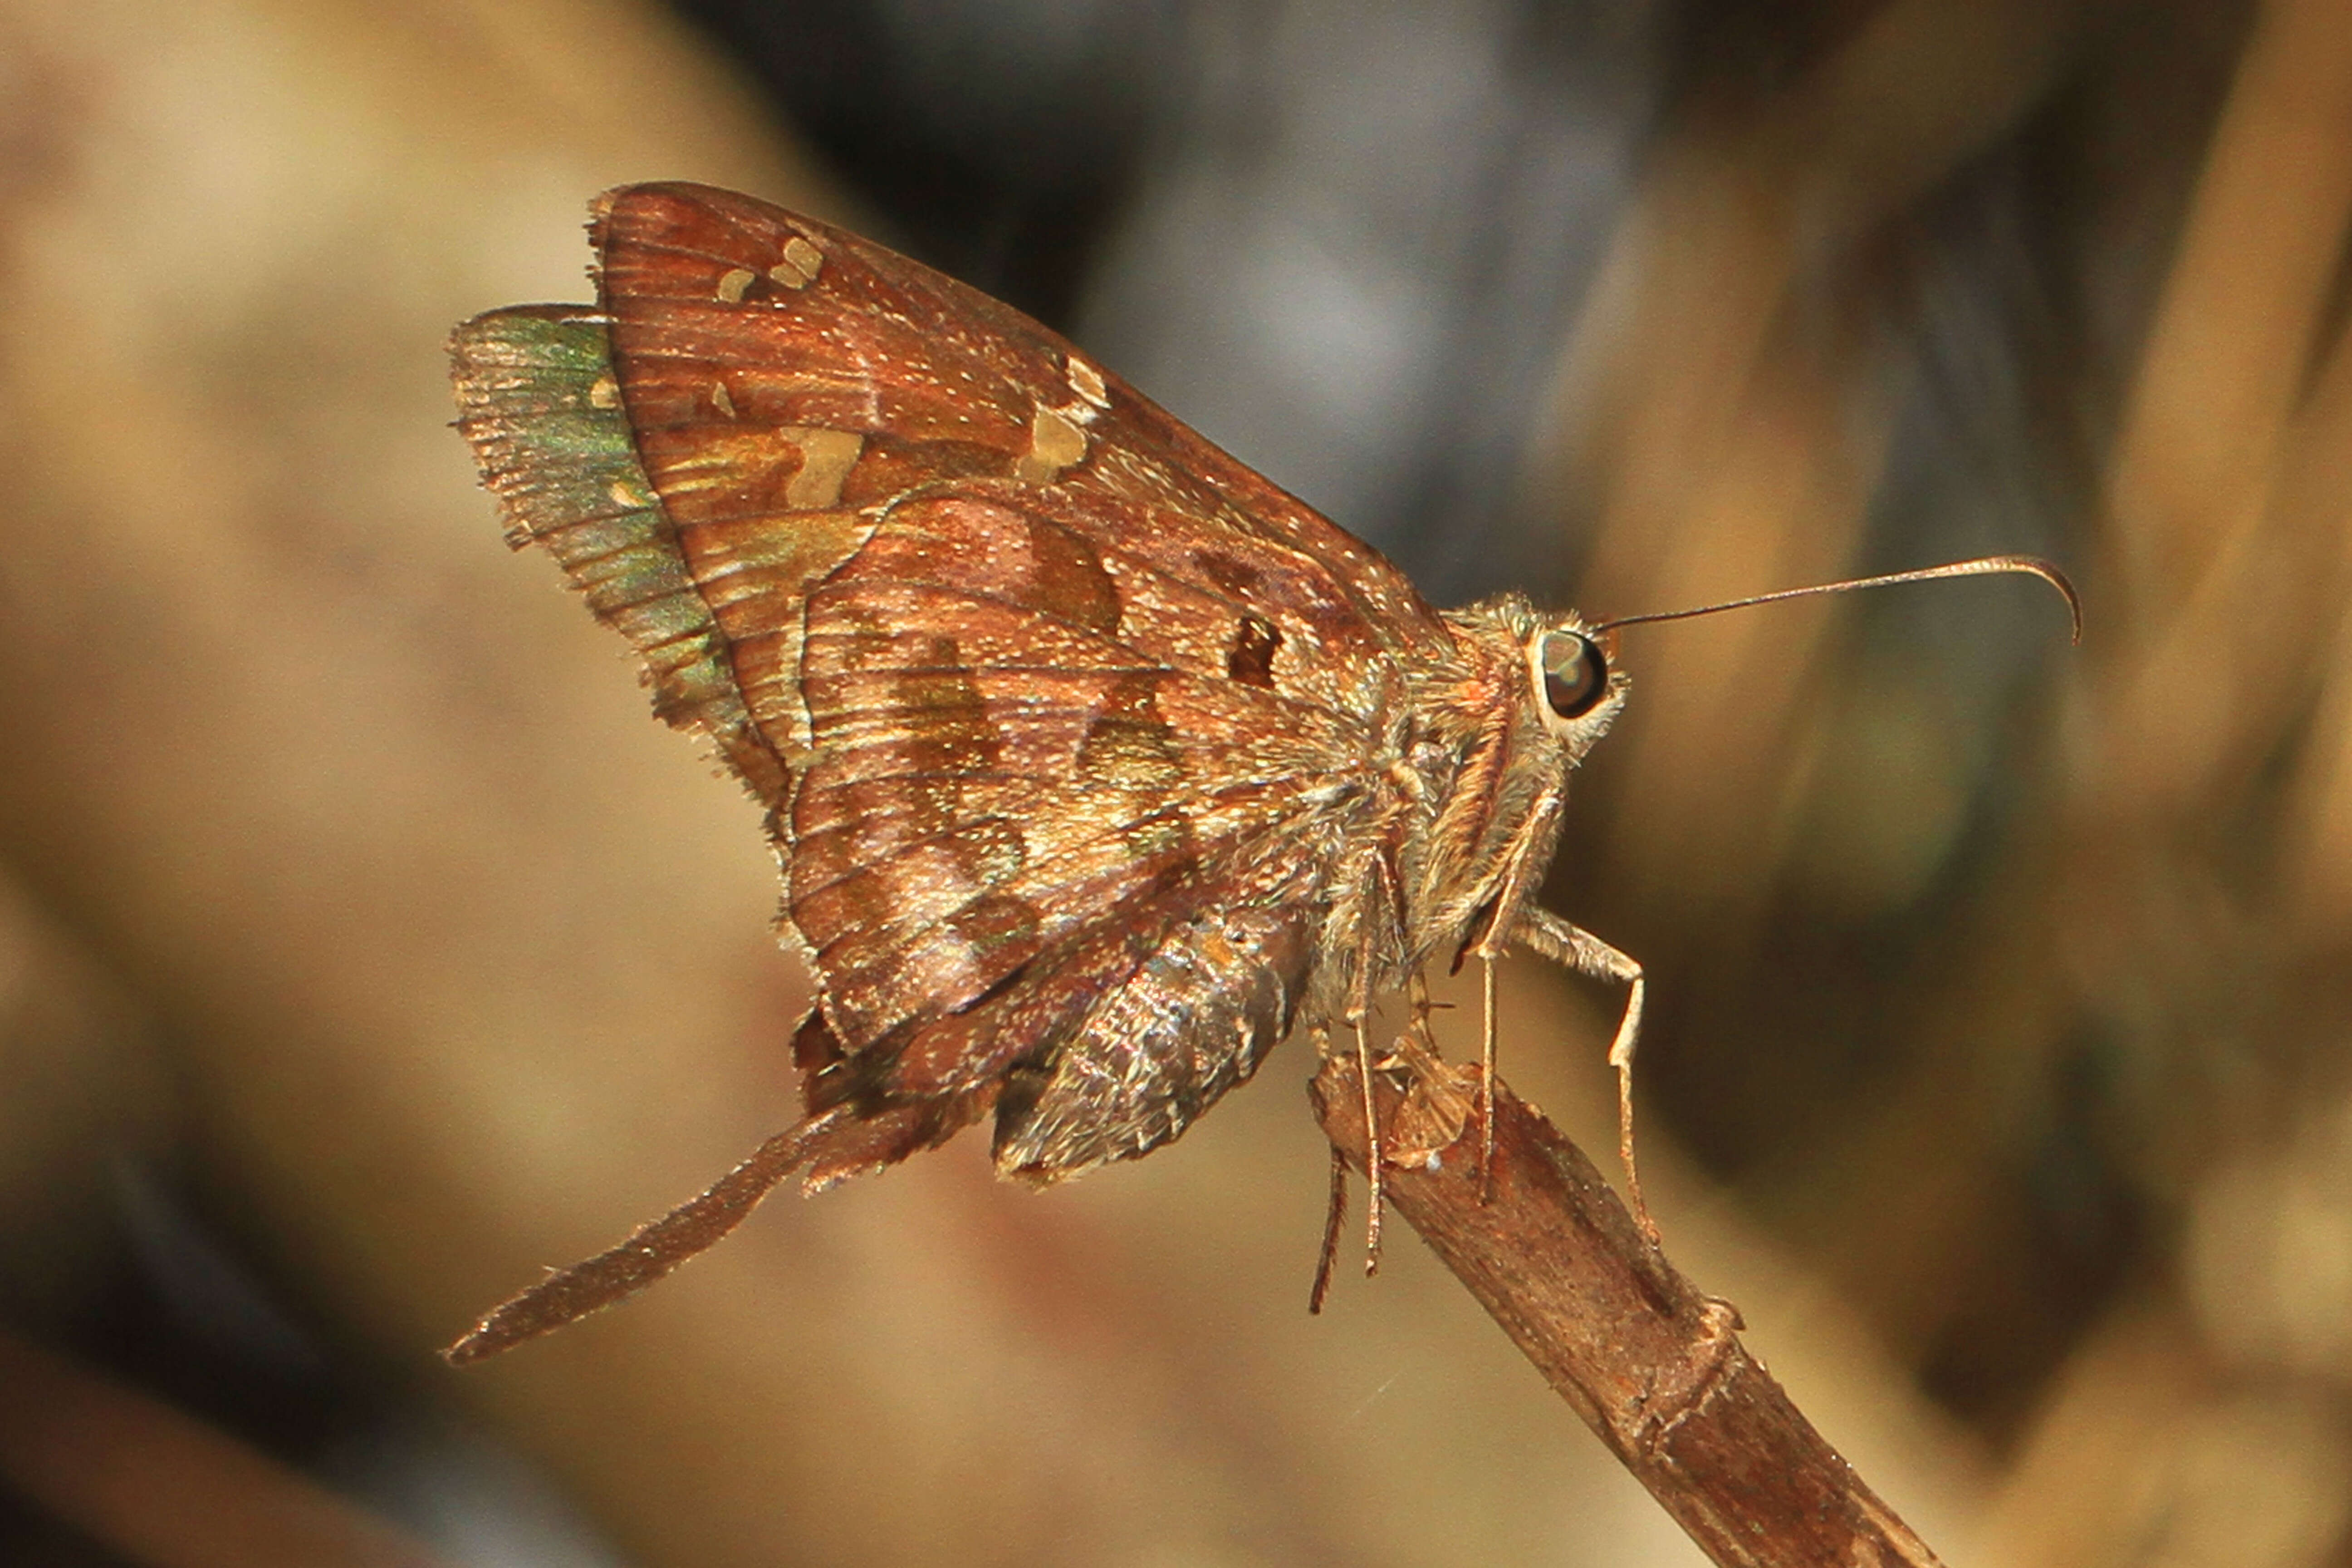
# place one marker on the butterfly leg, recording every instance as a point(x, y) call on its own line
point(1548, 936)
point(1487, 1083)
point(1373, 1204)
point(1377, 892)
point(1335, 1214)
point(1486, 949)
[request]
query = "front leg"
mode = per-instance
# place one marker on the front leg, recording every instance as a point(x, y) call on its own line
point(1548, 936)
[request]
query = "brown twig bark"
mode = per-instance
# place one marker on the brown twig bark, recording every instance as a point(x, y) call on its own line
point(1653, 1364)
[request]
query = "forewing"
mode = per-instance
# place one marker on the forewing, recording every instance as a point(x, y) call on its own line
point(785, 378)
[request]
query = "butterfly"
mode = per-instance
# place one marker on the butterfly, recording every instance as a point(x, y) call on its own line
point(1094, 762)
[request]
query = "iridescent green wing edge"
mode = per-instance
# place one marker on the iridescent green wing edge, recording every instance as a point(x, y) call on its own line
point(538, 403)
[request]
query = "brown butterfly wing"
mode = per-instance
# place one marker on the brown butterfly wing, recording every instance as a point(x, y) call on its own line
point(1080, 712)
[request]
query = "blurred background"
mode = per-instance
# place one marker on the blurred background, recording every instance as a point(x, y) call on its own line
point(365, 948)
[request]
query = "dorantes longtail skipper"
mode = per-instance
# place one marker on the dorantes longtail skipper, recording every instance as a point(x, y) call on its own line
point(1094, 760)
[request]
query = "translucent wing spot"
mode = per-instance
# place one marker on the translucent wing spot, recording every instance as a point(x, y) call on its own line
point(605, 393)
point(626, 495)
point(1251, 658)
point(720, 400)
point(798, 269)
point(1055, 442)
point(1087, 382)
point(826, 457)
point(735, 284)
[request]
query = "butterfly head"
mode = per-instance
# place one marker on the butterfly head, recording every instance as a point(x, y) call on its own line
point(1555, 673)
point(1574, 685)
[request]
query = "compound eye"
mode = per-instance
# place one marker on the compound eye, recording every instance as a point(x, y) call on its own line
point(1575, 675)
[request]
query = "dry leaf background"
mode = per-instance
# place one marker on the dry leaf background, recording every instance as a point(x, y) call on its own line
point(363, 946)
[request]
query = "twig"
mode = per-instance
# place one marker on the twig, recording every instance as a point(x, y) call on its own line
point(1654, 1365)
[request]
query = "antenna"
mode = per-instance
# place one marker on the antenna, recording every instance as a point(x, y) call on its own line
point(1982, 566)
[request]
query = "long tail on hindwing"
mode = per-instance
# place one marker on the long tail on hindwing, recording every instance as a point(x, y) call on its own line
point(652, 1249)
